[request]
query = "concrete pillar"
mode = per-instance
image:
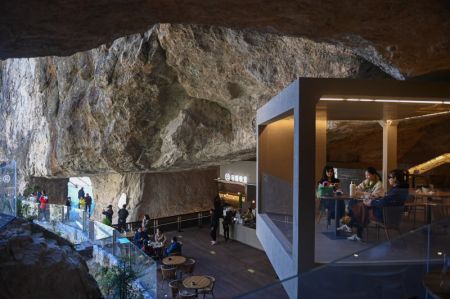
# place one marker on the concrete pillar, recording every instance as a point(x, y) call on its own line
point(389, 149)
point(321, 143)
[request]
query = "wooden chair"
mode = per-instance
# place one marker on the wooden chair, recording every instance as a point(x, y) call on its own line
point(392, 217)
point(175, 287)
point(188, 267)
point(415, 204)
point(209, 290)
point(185, 294)
point(168, 273)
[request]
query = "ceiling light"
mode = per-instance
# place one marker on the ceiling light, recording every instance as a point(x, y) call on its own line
point(409, 101)
point(331, 99)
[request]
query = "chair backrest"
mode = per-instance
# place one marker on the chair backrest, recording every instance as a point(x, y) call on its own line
point(213, 280)
point(392, 216)
point(175, 286)
point(186, 295)
point(168, 272)
point(188, 266)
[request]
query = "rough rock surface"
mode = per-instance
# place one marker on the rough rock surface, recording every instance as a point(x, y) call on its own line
point(156, 194)
point(176, 97)
point(419, 140)
point(48, 269)
point(412, 35)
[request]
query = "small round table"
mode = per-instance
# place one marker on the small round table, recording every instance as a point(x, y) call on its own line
point(175, 260)
point(437, 285)
point(196, 282)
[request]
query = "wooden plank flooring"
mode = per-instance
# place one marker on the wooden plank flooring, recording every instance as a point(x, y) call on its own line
point(229, 262)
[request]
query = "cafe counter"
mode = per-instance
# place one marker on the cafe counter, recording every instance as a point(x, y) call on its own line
point(242, 233)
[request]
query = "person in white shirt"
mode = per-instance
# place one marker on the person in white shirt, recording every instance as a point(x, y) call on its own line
point(372, 185)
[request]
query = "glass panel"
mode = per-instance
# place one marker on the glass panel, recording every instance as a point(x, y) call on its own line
point(275, 166)
point(400, 268)
point(8, 188)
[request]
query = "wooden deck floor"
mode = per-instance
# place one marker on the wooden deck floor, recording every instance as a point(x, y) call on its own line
point(237, 268)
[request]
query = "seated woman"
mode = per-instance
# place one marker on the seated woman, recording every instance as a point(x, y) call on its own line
point(174, 247)
point(372, 208)
point(329, 179)
point(372, 185)
point(160, 237)
point(249, 216)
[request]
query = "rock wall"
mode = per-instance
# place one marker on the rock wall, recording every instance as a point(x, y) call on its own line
point(176, 97)
point(46, 267)
point(56, 189)
point(156, 194)
point(412, 35)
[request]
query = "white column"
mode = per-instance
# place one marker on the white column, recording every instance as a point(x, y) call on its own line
point(389, 148)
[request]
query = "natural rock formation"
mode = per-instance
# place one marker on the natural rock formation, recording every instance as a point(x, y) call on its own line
point(156, 194)
point(46, 268)
point(412, 35)
point(176, 97)
point(419, 140)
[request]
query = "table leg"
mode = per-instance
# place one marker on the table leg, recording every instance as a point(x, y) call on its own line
point(336, 218)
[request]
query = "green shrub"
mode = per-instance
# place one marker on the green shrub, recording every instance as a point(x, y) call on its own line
point(106, 221)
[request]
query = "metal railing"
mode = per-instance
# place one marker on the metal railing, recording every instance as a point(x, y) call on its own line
point(74, 225)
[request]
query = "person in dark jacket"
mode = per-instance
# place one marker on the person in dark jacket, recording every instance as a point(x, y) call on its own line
point(123, 214)
point(174, 247)
point(372, 209)
point(108, 213)
point(227, 220)
point(140, 238)
point(88, 203)
point(328, 179)
point(81, 193)
point(213, 226)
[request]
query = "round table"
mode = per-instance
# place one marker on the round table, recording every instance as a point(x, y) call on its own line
point(196, 282)
point(437, 285)
point(175, 260)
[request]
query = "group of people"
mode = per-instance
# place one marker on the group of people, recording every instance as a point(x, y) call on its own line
point(156, 246)
point(122, 217)
point(228, 214)
point(40, 197)
point(371, 208)
point(84, 201)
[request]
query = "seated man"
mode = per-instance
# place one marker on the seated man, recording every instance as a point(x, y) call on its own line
point(249, 217)
point(140, 238)
point(174, 247)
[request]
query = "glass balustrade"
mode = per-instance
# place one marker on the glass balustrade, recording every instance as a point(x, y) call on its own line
point(399, 268)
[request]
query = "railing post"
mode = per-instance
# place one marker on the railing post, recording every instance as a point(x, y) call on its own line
point(114, 244)
point(91, 233)
point(179, 223)
point(200, 219)
point(155, 226)
point(62, 214)
point(84, 228)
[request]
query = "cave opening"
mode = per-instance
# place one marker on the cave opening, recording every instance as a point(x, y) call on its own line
point(74, 187)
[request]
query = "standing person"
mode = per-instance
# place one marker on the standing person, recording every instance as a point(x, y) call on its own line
point(43, 205)
point(68, 207)
point(146, 224)
point(108, 214)
point(123, 214)
point(81, 193)
point(88, 203)
point(214, 225)
point(226, 224)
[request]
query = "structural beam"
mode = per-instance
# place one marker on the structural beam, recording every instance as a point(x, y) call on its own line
point(389, 148)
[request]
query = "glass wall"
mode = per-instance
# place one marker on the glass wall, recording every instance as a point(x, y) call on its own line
point(8, 188)
point(275, 170)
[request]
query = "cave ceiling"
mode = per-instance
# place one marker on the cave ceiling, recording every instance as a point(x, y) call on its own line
point(413, 36)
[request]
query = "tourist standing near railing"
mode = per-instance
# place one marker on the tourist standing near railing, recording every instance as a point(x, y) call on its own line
point(108, 214)
point(43, 206)
point(214, 225)
point(123, 214)
point(81, 193)
point(88, 203)
point(69, 207)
